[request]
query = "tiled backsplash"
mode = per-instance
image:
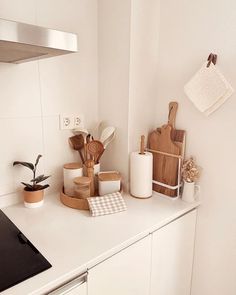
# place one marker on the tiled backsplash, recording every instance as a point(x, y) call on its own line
point(34, 94)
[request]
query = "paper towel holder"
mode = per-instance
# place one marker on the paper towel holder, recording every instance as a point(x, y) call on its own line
point(212, 58)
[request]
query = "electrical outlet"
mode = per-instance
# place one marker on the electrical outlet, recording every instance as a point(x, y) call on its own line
point(66, 122)
point(78, 121)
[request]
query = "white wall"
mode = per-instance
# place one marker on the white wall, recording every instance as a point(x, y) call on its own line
point(113, 73)
point(128, 51)
point(189, 31)
point(34, 94)
point(143, 70)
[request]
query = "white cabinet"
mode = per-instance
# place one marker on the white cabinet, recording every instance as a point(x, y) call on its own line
point(77, 286)
point(125, 273)
point(81, 290)
point(172, 257)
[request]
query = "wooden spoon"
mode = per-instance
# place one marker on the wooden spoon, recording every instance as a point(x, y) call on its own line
point(77, 143)
point(95, 148)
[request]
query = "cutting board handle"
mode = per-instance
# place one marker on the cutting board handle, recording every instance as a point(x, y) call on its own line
point(166, 136)
point(173, 107)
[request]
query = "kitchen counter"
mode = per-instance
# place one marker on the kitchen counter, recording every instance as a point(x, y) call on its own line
point(73, 241)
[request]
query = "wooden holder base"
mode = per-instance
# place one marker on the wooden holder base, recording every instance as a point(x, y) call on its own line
point(81, 204)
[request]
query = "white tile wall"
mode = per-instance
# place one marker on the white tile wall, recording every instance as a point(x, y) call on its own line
point(19, 10)
point(21, 140)
point(20, 95)
point(34, 94)
point(57, 151)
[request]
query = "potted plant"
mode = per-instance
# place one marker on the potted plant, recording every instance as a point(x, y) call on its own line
point(190, 174)
point(33, 191)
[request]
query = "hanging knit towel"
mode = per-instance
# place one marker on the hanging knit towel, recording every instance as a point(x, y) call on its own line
point(107, 204)
point(208, 89)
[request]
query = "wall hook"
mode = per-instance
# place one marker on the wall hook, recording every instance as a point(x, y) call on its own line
point(212, 58)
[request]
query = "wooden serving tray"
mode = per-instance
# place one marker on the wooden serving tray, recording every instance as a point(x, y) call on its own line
point(72, 202)
point(81, 204)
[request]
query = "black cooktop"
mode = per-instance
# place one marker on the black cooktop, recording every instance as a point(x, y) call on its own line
point(19, 259)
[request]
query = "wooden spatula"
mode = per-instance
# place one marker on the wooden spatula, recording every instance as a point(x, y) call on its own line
point(77, 143)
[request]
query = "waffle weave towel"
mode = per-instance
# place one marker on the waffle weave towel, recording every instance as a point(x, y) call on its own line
point(108, 204)
point(208, 89)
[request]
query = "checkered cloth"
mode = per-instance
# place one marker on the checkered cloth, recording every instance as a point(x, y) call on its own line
point(107, 204)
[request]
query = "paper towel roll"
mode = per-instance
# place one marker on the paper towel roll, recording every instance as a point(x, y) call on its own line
point(141, 175)
point(70, 171)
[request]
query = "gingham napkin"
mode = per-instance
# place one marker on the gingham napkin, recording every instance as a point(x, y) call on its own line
point(208, 89)
point(107, 204)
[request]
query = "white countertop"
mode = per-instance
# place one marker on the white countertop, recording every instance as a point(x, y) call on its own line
point(73, 241)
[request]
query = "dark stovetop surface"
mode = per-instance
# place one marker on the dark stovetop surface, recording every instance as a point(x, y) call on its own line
point(19, 259)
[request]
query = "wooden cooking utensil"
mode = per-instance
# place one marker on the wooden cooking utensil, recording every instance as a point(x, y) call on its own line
point(165, 168)
point(95, 149)
point(90, 172)
point(177, 136)
point(77, 143)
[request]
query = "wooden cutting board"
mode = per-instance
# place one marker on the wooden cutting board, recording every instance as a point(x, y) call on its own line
point(165, 168)
point(177, 136)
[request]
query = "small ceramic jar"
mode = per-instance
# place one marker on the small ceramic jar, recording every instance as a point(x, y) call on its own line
point(108, 182)
point(82, 187)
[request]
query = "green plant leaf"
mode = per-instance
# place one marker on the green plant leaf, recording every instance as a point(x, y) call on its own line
point(29, 186)
point(44, 186)
point(40, 178)
point(38, 187)
point(37, 160)
point(26, 164)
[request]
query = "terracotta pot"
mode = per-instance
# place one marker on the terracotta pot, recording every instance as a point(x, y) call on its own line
point(33, 199)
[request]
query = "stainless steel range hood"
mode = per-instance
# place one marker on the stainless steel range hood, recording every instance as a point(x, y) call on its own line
point(21, 42)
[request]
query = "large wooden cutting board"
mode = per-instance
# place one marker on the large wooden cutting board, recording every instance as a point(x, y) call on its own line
point(165, 168)
point(169, 170)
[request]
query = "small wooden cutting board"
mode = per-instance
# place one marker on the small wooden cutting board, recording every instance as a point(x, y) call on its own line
point(177, 136)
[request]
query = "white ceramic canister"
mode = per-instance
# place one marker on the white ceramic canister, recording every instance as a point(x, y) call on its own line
point(108, 182)
point(96, 169)
point(71, 171)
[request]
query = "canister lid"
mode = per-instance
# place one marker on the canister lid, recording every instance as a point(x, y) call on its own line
point(72, 166)
point(109, 176)
point(82, 180)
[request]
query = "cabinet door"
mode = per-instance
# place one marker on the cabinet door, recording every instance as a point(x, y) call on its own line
point(81, 290)
point(172, 257)
point(77, 286)
point(125, 273)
